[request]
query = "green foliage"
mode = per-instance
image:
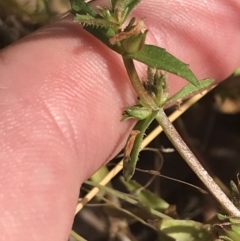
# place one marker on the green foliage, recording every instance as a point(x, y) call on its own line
point(159, 58)
point(130, 43)
point(128, 40)
point(136, 112)
point(79, 7)
point(186, 230)
point(122, 9)
point(129, 199)
point(189, 89)
point(235, 194)
point(230, 229)
point(146, 197)
point(153, 207)
point(132, 150)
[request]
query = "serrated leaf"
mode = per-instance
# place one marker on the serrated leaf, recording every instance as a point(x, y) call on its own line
point(159, 58)
point(146, 197)
point(190, 89)
point(89, 20)
point(103, 35)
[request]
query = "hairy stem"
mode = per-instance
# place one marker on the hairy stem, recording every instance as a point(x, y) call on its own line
point(195, 165)
point(137, 84)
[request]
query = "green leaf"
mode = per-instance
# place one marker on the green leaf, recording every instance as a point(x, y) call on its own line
point(186, 230)
point(130, 5)
point(159, 58)
point(146, 197)
point(225, 238)
point(233, 236)
point(113, 3)
point(89, 20)
point(81, 7)
point(103, 35)
point(222, 217)
point(128, 199)
point(235, 225)
point(190, 89)
point(235, 194)
point(236, 229)
point(123, 8)
point(131, 156)
point(136, 112)
point(98, 176)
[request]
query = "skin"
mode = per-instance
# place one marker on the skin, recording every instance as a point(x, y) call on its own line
point(62, 94)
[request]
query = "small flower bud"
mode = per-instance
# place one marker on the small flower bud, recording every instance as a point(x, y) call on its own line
point(134, 43)
point(137, 112)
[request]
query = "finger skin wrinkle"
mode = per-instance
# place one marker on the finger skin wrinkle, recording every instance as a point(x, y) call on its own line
point(37, 170)
point(58, 118)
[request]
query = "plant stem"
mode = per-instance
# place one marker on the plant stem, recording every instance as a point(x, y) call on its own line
point(178, 143)
point(137, 84)
point(129, 162)
point(195, 165)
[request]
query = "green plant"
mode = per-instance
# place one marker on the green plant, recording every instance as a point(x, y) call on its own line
point(107, 25)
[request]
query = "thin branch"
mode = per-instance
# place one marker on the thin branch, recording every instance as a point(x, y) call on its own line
point(195, 165)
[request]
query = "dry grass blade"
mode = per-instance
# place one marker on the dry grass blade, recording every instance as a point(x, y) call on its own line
point(145, 142)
